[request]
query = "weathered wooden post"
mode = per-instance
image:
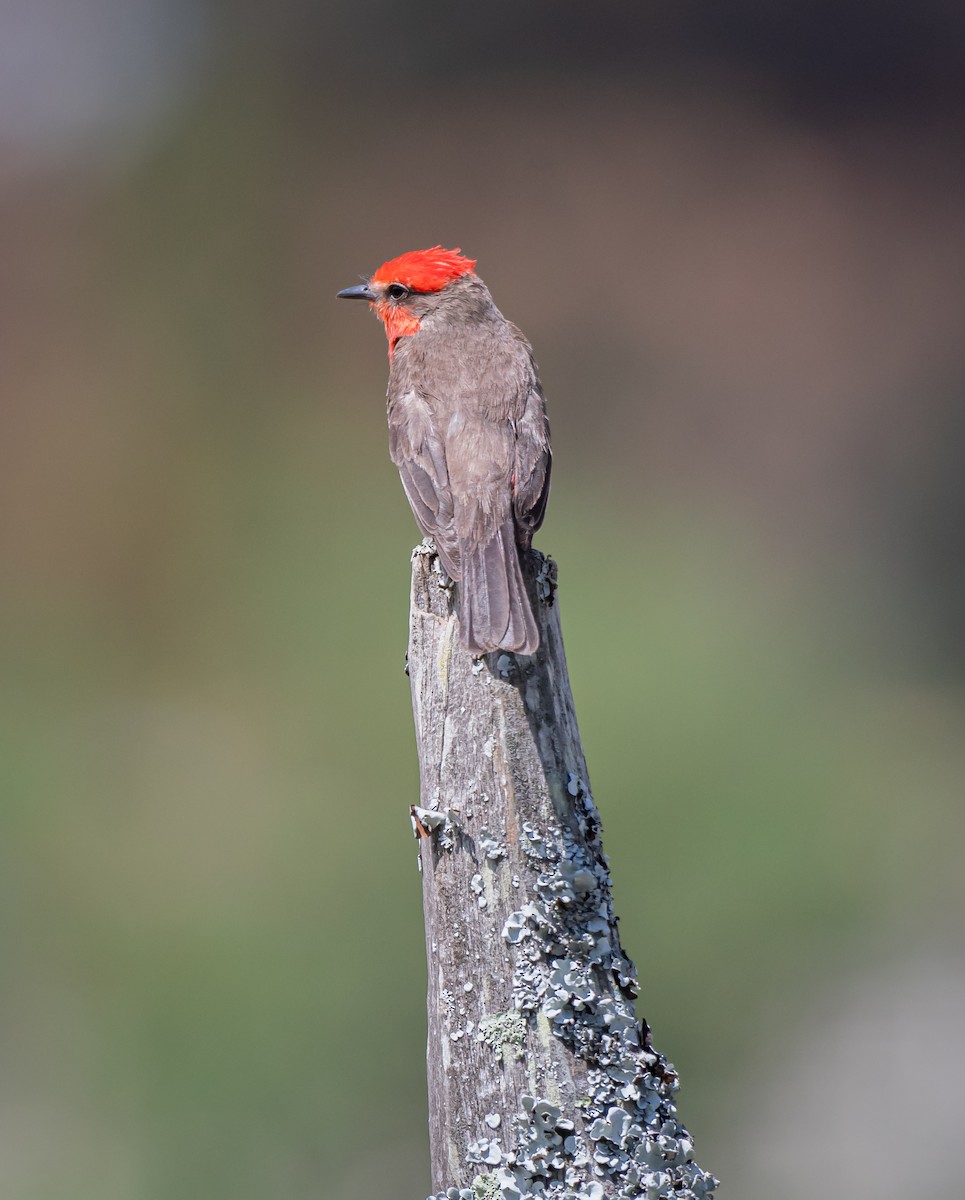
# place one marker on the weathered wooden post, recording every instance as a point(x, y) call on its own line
point(542, 1080)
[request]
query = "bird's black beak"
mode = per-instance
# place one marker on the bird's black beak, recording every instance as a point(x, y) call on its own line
point(361, 291)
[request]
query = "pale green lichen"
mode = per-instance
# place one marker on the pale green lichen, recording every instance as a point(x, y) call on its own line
point(486, 1187)
point(491, 846)
point(504, 1033)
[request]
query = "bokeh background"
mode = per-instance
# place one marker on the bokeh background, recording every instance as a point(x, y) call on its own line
point(736, 237)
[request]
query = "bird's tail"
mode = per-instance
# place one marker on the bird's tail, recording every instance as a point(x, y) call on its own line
point(494, 608)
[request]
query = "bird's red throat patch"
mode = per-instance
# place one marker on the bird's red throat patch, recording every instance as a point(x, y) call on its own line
point(398, 322)
point(420, 271)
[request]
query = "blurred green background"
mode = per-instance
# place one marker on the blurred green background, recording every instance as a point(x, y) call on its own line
point(736, 238)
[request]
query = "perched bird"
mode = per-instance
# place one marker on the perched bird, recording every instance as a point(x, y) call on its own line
point(468, 432)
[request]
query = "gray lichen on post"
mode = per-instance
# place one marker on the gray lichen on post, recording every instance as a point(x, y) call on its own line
point(543, 1083)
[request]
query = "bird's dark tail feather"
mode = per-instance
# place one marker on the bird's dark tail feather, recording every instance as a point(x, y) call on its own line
point(494, 608)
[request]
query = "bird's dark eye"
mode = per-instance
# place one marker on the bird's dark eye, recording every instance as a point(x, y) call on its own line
point(397, 291)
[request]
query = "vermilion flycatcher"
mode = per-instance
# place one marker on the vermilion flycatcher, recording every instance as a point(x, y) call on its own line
point(468, 432)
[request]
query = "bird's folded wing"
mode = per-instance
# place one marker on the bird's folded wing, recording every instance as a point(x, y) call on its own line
point(533, 461)
point(425, 478)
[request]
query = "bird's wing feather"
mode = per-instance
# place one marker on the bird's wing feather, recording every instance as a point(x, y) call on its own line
point(533, 463)
point(417, 450)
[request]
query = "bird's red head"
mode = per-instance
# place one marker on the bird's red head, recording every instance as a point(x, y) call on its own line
point(418, 273)
point(424, 270)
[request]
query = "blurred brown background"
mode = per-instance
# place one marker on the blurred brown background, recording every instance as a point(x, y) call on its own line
point(736, 237)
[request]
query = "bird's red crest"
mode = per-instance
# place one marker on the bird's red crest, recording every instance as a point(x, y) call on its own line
point(425, 270)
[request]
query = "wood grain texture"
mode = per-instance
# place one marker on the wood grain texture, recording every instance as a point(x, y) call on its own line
point(542, 1081)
